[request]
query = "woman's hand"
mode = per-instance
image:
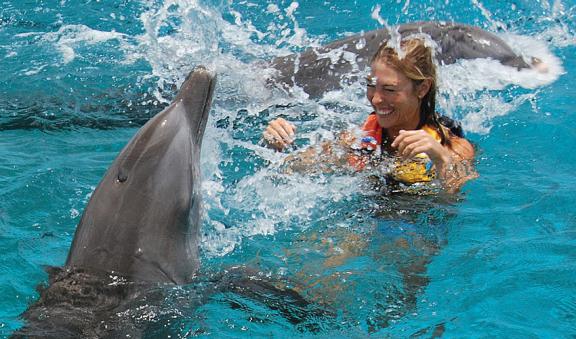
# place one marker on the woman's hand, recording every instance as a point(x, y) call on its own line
point(279, 134)
point(453, 165)
point(410, 143)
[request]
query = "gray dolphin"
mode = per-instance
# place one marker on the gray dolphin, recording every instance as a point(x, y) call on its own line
point(315, 71)
point(142, 220)
point(140, 227)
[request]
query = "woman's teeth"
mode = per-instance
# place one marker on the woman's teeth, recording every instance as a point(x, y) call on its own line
point(384, 111)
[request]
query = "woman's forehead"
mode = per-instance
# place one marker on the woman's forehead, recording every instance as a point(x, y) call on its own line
point(383, 64)
point(385, 73)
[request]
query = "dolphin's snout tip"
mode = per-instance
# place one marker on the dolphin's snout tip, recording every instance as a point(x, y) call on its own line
point(201, 69)
point(200, 72)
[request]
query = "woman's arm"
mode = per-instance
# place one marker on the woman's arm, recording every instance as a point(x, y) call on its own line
point(456, 172)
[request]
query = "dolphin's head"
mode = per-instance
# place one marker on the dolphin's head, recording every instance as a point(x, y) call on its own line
point(143, 219)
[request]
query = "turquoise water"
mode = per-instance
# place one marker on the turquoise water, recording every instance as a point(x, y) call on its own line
point(78, 78)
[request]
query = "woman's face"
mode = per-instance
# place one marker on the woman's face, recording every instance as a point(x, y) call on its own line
point(394, 97)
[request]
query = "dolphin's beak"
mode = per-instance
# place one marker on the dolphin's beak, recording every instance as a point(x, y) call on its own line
point(196, 96)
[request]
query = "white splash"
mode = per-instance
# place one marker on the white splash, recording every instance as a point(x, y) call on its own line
point(299, 36)
point(70, 36)
point(267, 199)
point(274, 202)
point(495, 24)
point(395, 37)
point(558, 35)
point(178, 35)
point(34, 70)
point(462, 83)
point(376, 15)
point(405, 7)
point(484, 108)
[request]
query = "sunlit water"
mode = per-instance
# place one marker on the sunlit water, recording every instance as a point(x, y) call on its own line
point(78, 78)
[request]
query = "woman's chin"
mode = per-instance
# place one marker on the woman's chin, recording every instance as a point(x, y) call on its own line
point(385, 121)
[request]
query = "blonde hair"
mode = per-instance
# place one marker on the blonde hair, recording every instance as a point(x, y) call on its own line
point(417, 64)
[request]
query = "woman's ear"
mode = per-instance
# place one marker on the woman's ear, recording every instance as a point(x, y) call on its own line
point(423, 88)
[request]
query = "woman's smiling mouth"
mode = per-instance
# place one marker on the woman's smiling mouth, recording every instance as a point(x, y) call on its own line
point(387, 111)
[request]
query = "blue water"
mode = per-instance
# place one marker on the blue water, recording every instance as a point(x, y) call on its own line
point(77, 79)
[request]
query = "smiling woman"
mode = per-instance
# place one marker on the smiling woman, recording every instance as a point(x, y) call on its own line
point(404, 125)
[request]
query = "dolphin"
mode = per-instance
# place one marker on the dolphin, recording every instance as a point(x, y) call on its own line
point(139, 230)
point(322, 69)
point(142, 221)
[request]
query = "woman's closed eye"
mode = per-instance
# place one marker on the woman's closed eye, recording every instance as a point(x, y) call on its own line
point(372, 83)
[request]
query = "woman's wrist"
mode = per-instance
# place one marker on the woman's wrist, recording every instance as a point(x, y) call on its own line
point(444, 165)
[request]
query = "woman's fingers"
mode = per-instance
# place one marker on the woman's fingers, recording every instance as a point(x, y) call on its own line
point(272, 136)
point(279, 133)
point(406, 138)
point(410, 143)
point(413, 149)
point(283, 128)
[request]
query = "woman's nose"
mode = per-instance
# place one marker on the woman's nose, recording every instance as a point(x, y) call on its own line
point(376, 98)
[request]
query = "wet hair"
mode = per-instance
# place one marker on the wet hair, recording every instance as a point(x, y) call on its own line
point(416, 63)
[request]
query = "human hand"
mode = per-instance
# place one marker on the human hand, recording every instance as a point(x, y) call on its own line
point(453, 164)
point(411, 143)
point(279, 134)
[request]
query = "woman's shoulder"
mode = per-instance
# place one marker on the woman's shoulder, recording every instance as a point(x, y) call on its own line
point(462, 147)
point(458, 143)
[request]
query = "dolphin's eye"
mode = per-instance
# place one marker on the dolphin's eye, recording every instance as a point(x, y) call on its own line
point(122, 177)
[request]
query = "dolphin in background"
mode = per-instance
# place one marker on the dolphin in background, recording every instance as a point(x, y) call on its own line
point(320, 70)
point(140, 227)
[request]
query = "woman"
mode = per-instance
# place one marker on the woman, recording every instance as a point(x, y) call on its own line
point(404, 123)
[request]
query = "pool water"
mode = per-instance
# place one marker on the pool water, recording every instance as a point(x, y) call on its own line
point(77, 79)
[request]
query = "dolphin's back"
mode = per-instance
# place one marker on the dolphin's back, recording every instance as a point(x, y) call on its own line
point(316, 71)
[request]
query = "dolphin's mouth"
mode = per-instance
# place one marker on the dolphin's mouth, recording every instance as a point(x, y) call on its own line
point(211, 84)
point(196, 93)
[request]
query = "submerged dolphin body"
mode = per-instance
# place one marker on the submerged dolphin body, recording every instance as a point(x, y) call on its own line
point(140, 227)
point(319, 70)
